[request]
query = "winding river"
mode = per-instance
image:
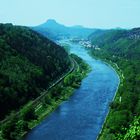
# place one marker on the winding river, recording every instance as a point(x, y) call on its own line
point(82, 116)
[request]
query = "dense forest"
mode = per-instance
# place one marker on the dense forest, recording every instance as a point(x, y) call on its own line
point(28, 63)
point(32, 114)
point(121, 47)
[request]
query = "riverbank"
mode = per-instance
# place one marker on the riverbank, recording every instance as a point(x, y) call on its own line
point(32, 114)
point(125, 106)
point(62, 91)
point(83, 114)
point(66, 88)
point(115, 67)
point(116, 96)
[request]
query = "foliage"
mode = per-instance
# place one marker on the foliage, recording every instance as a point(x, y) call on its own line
point(122, 48)
point(14, 128)
point(31, 114)
point(28, 63)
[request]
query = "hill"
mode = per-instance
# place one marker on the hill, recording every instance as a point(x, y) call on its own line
point(55, 31)
point(28, 63)
point(122, 48)
point(106, 36)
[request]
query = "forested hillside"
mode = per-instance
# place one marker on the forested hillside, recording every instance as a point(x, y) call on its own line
point(28, 63)
point(122, 47)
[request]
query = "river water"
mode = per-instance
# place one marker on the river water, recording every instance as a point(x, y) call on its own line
point(82, 116)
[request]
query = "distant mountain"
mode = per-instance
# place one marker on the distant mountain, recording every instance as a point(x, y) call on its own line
point(106, 36)
point(55, 31)
point(134, 33)
point(120, 42)
point(52, 24)
point(78, 26)
point(112, 35)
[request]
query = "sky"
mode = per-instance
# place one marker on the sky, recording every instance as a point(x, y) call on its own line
point(89, 13)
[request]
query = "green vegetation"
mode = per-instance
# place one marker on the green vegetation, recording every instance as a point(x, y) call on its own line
point(29, 63)
point(133, 132)
point(63, 90)
point(32, 114)
point(15, 127)
point(122, 48)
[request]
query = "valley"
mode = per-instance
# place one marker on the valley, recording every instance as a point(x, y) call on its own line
point(81, 83)
point(81, 116)
point(121, 47)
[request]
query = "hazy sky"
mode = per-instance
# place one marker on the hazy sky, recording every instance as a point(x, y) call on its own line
point(90, 13)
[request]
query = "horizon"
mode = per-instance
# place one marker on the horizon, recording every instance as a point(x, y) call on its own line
point(80, 25)
point(88, 13)
point(72, 25)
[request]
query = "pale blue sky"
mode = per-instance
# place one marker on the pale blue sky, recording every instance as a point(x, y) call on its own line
point(90, 13)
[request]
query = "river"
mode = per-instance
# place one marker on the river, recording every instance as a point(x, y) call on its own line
point(82, 116)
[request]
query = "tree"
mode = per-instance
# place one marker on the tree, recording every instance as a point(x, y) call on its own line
point(28, 114)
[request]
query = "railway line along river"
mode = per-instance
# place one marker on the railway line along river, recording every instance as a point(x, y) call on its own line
point(82, 116)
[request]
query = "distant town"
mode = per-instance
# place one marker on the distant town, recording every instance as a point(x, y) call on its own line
point(86, 43)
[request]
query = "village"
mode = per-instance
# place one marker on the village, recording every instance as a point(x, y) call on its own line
point(88, 44)
point(85, 43)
